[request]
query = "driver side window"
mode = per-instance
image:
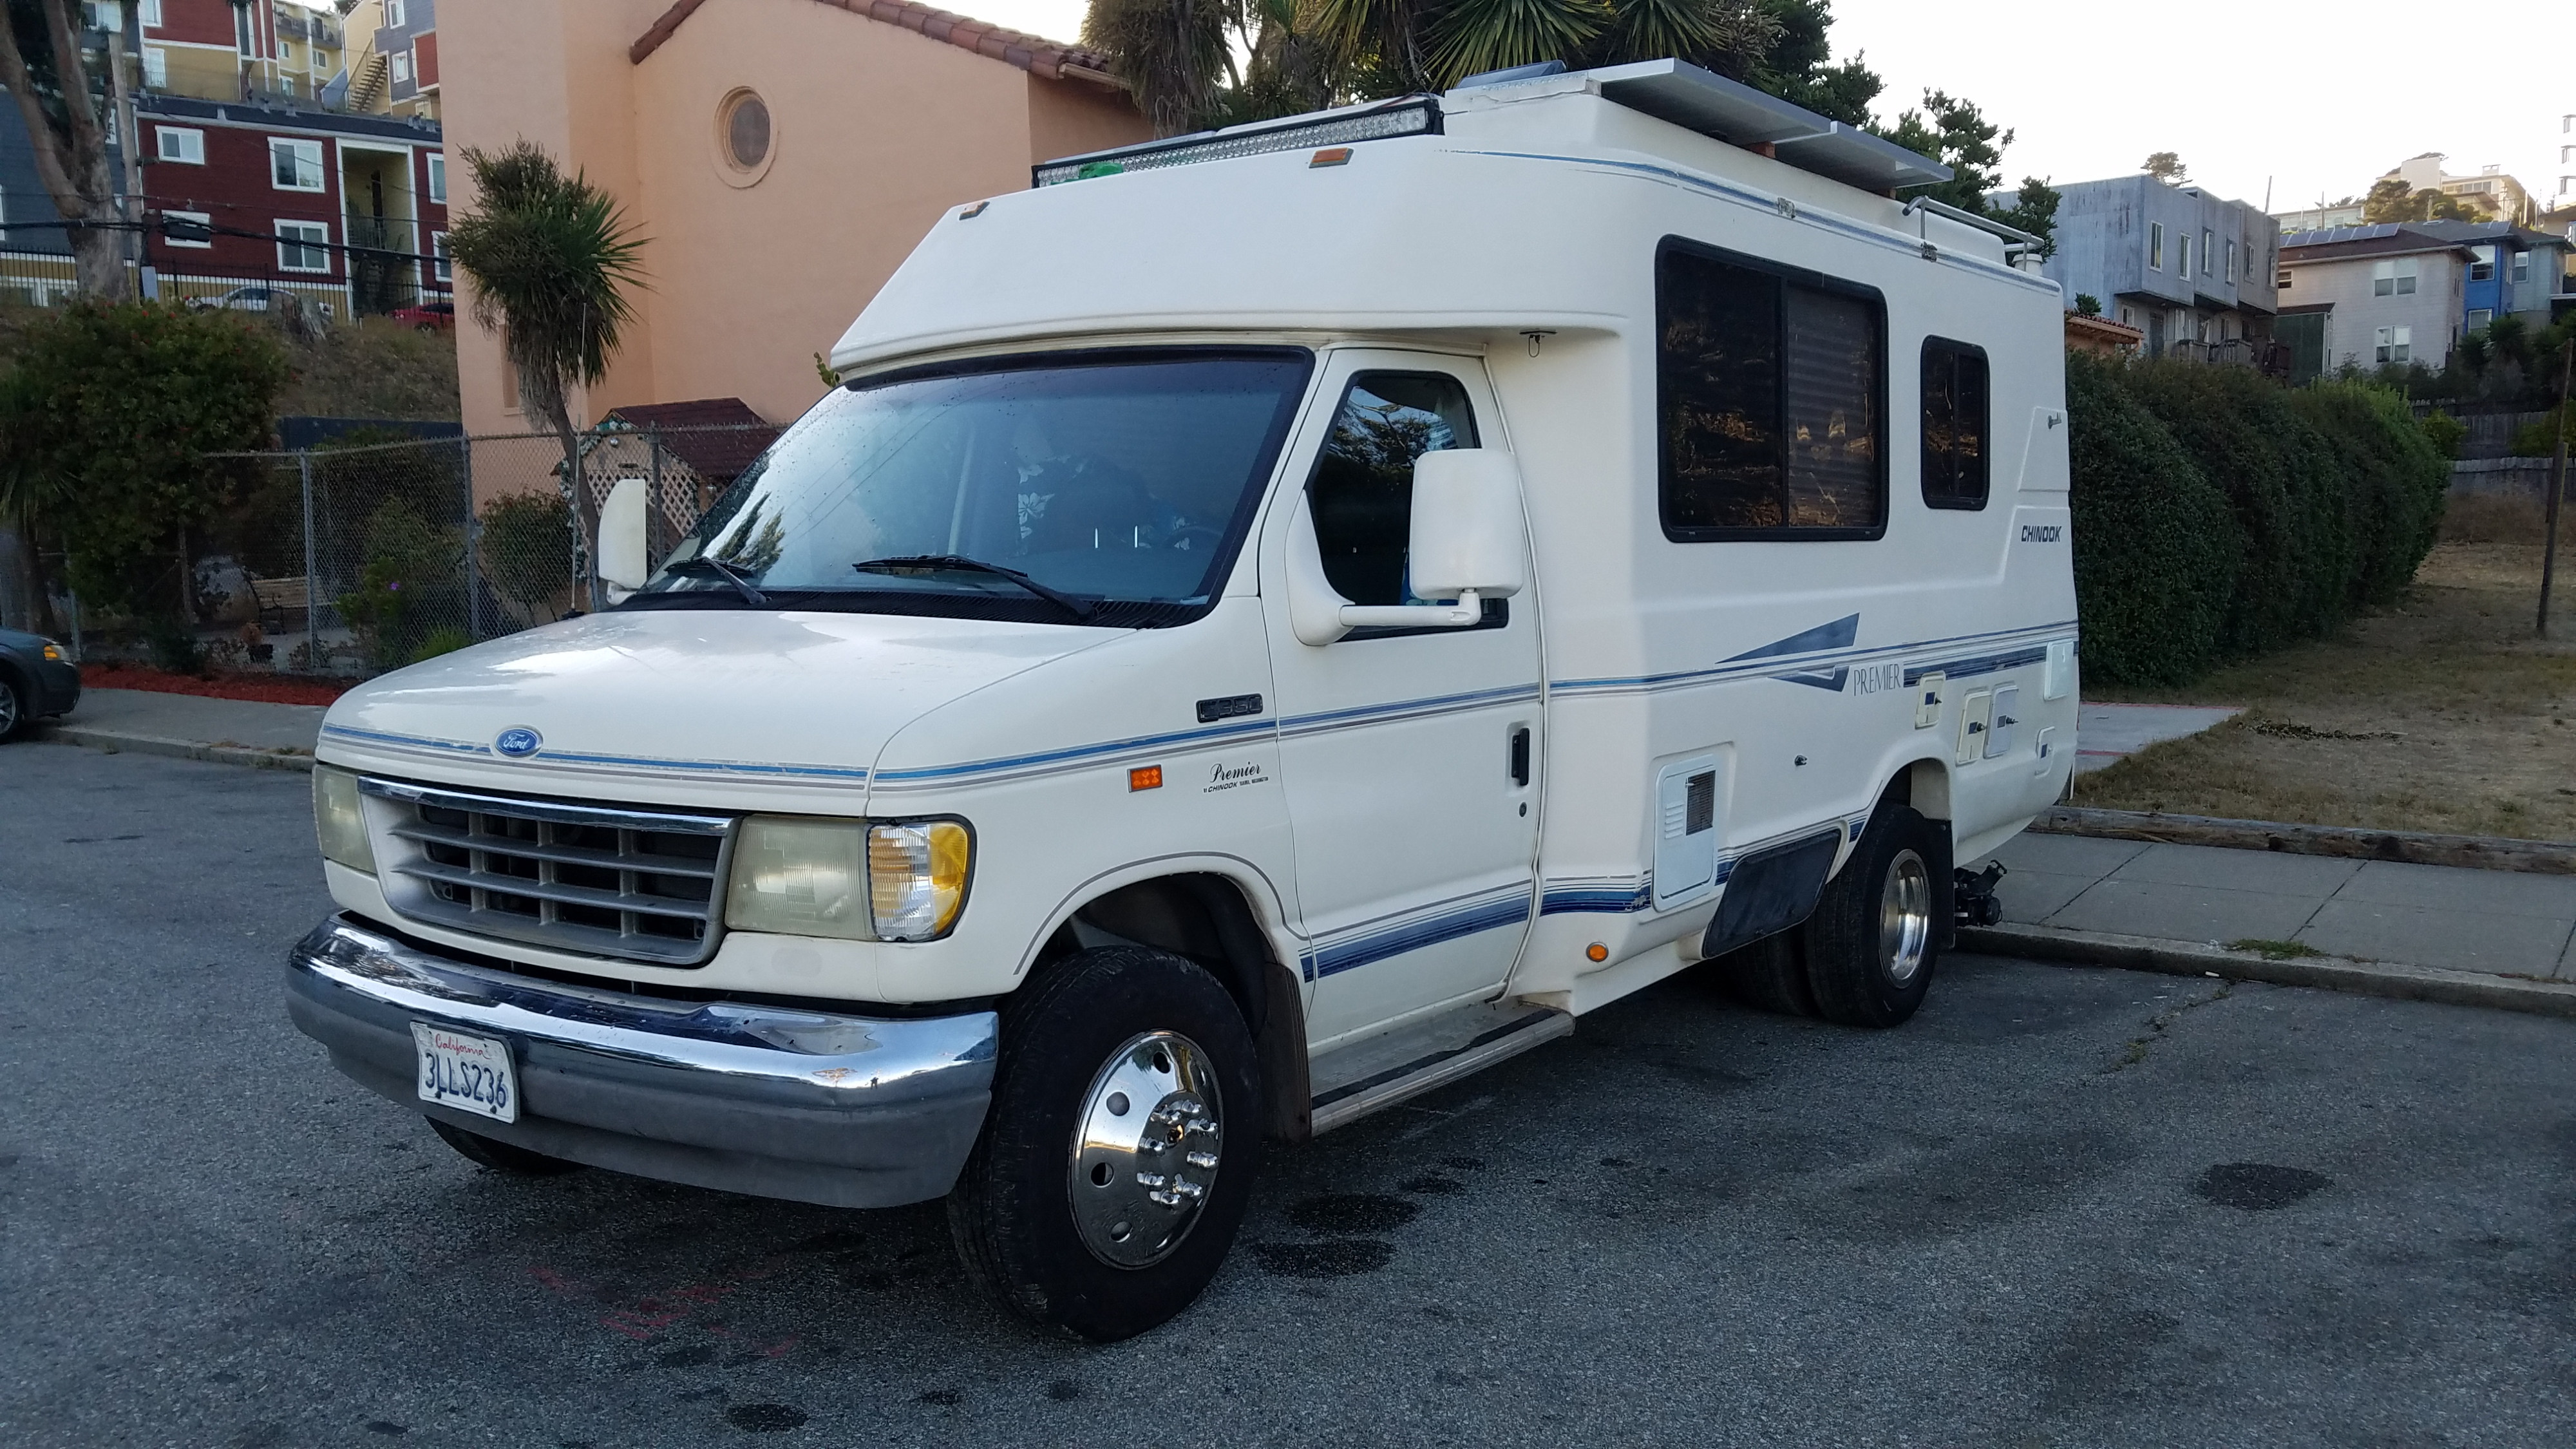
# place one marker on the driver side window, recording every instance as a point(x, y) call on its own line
point(1362, 492)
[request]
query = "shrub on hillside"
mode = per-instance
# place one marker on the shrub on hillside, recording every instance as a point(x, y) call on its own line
point(2156, 546)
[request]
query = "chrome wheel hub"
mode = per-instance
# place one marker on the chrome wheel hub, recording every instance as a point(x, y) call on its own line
point(1905, 917)
point(1145, 1150)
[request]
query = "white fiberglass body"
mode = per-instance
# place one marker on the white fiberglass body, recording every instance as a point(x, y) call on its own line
point(1546, 807)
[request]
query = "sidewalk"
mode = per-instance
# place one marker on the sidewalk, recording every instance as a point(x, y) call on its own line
point(2426, 931)
point(229, 731)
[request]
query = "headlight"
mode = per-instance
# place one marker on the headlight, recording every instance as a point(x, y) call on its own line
point(801, 877)
point(340, 820)
point(53, 652)
point(848, 878)
point(917, 878)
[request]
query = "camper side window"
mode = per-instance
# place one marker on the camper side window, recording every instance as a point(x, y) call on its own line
point(1770, 401)
point(1957, 424)
point(1362, 491)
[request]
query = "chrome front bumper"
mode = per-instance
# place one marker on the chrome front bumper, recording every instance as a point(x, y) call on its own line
point(816, 1106)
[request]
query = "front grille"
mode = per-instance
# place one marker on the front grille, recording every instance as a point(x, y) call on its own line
point(644, 885)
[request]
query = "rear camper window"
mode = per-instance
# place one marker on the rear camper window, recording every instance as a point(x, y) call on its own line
point(1770, 401)
point(1957, 424)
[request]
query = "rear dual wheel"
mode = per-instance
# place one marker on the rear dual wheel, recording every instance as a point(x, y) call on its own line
point(1865, 957)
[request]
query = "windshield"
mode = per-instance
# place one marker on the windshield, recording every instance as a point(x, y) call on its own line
point(1117, 483)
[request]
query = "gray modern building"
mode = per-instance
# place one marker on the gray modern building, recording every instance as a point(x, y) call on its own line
point(2192, 271)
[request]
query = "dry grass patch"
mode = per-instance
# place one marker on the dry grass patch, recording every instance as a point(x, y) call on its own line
point(374, 367)
point(2441, 714)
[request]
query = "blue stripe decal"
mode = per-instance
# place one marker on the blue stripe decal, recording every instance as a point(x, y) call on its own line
point(1683, 678)
point(1972, 667)
point(1615, 899)
point(1893, 241)
point(1083, 752)
point(1837, 635)
point(572, 757)
point(1474, 919)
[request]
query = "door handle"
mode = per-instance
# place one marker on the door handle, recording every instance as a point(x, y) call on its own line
point(1520, 756)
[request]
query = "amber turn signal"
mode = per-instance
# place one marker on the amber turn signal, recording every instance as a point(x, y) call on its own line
point(1145, 777)
point(1597, 951)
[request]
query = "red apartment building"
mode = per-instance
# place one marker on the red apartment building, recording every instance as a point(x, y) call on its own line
point(255, 184)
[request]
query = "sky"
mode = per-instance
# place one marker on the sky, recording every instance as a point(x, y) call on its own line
point(2300, 99)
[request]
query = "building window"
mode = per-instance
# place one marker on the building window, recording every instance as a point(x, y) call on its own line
point(2521, 268)
point(2481, 263)
point(2479, 317)
point(438, 177)
point(745, 119)
point(2155, 246)
point(177, 143)
point(295, 165)
point(2231, 259)
point(245, 38)
point(2182, 255)
point(2208, 252)
point(438, 248)
point(2128, 318)
point(2396, 344)
point(393, 14)
point(152, 14)
point(2393, 278)
point(2282, 281)
point(1957, 420)
point(156, 67)
point(1770, 388)
point(194, 229)
point(398, 65)
point(301, 246)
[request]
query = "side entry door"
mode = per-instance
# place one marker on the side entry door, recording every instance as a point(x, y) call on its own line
point(1409, 755)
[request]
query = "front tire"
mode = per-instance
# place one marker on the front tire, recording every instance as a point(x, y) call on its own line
point(13, 708)
point(1872, 942)
point(1119, 1154)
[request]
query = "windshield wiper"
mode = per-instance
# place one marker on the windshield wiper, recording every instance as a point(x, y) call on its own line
point(710, 564)
point(1062, 600)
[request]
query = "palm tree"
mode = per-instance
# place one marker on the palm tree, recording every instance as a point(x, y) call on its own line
point(550, 258)
point(1178, 55)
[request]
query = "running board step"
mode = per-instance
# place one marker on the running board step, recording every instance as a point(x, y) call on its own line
point(1378, 1073)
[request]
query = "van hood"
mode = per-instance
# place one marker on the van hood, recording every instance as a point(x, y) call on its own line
point(681, 707)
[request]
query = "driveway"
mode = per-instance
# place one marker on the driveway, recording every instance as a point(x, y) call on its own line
point(2063, 1207)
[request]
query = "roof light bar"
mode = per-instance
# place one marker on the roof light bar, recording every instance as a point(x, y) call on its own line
point(1408, 116)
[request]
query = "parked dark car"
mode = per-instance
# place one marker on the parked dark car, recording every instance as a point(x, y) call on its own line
point(35, 681)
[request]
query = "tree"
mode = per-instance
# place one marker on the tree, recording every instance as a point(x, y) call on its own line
point(2389, 200)
point(2166, 167)
point(549, 258)
point(1796, 68)
point(1179, 56)
point(113, 408)
point(2034, 210)
point(42, 66)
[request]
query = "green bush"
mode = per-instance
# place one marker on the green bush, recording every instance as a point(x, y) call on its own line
point(2540, 440)
point(2155, 542)
point(2218, 513)
point(527, 553)
point(409, 586)
point(2446, 432)
point(2397, 481)
point(445, 639)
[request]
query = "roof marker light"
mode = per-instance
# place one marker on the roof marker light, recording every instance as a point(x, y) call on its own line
point(1379, 120)
point(972, 212)
point(1331, 156)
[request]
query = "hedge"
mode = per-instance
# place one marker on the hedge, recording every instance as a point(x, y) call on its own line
point(2219, 514)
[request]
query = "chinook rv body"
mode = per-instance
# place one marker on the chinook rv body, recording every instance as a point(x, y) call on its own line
point(1272, 623)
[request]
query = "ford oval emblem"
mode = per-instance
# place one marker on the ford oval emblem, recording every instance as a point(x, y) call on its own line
point(517, 742)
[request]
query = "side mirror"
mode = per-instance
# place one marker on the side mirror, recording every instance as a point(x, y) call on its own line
point(1468, 540)
point(622, 553)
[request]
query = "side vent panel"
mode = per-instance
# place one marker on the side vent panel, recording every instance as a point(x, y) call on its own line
point(1686, 834)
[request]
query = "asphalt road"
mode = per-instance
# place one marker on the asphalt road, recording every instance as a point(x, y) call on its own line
point(2063, 1207)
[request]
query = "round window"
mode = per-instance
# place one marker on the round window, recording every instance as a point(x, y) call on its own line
point(746, 130)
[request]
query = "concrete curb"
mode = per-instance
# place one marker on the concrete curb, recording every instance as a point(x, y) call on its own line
point(2480, 852)
point(113, 741)
point(2334, 973)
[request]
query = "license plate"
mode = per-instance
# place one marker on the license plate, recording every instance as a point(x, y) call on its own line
point(467, 1073)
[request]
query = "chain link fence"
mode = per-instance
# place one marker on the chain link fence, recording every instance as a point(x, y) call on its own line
point(361, 556)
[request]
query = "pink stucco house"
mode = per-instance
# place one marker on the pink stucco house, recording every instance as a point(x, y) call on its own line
point(782, 156)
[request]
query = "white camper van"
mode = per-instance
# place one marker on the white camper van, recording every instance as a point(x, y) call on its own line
point(1272, 623)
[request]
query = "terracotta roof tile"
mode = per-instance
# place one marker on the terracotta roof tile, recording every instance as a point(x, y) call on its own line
point(1034, 54)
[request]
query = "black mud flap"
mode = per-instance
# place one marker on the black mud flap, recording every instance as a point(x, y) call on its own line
point(1771, 890)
